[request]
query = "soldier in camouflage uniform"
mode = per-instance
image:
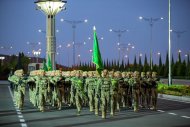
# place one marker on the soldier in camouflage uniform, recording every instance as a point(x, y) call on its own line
point(90, 87)
point(20, 82)
point(42, 85)
point(135, 90)
point(122, 90)
point(143, 88)
point(154, 90)
point(149, 89)
point(32, 87)
point(73, 90)
point(104, 84)
point(78, 84)
point(114, 93)
point(67, 87)
point(58, 88)
point(127, 80)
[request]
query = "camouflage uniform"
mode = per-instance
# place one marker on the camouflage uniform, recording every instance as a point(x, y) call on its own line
point(104, 85)
point(149, 89)
point(42, 85)
point(135, 90)
point(57, 91)
point(154, 92)
point(91, 89)
point(79, 94)
point(143, 89)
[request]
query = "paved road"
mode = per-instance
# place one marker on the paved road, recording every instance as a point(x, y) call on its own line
point(169, 114)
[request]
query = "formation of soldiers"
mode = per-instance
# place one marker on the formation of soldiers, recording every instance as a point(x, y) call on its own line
point(109, 90)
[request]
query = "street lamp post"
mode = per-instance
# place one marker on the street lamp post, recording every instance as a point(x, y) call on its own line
point(6, 48)
point(178, 33)
point(50, 8)
point(37, 54)
point(119, 33)
point(74, 24)
point(68, 46)
point(2, 58)
point(151, 22)
point(125, 48)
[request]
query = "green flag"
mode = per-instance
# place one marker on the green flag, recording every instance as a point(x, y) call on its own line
point(96, 57)
point(49, 65)
point(45, 66)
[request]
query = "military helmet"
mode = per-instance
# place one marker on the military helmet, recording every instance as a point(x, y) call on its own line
point(85, 74)
point(154, 74)
point(148, 73)
point(143, 74)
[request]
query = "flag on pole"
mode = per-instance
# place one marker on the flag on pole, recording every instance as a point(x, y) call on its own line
point(49, 65)
point(96, 57)
point(45, 66)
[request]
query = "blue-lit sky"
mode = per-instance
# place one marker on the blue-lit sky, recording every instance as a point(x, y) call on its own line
point(20, 21)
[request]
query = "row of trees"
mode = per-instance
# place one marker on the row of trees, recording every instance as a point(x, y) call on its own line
point(179, 68)
point(12, 63)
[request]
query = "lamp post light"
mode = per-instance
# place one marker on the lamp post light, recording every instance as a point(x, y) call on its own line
point(74, 25)
point(178, 33)
point(2, 58)
point(119, 33)
point(6, 48)
point(68, 46)
point(125, 48)
point(37, 54)
point(50, 8)
point(151, 22)
point(78, 58)
point(33, 45)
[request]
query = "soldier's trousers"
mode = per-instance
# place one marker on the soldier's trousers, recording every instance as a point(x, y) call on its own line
point(142, 96)
point(113, 103)
point(148, 97)
point(129, 97)
point(154, 93)
point(105, 97)
point(91, 96)
point(42, 100)
point(20, 99)
point(136, 99)
point(78, 98)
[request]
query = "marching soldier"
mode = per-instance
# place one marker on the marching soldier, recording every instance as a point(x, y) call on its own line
point(149, 89)
point(79, 94)
point(90, 88)
point(154, 92)
point(41, 83)
point(104, 84)
point(135, 90)
point(143, 88)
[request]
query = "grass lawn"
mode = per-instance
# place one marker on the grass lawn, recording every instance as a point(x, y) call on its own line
point(177, 90)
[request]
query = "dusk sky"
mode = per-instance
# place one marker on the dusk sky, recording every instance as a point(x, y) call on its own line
point(20, 22)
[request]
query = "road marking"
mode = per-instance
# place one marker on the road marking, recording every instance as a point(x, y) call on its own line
point(160, 111)
point(17, 110)
point(171, 113)
point(186, 117)
point(23, 125)
point(22, 120)
point(19, 113)
point(20, 116)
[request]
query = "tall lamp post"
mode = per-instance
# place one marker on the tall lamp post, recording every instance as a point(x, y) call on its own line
point(119, 33)
point(2, 58)
point(178, 33)
point(37, 54)
point(74, 25)
point(50, 8)
point(151, 22)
